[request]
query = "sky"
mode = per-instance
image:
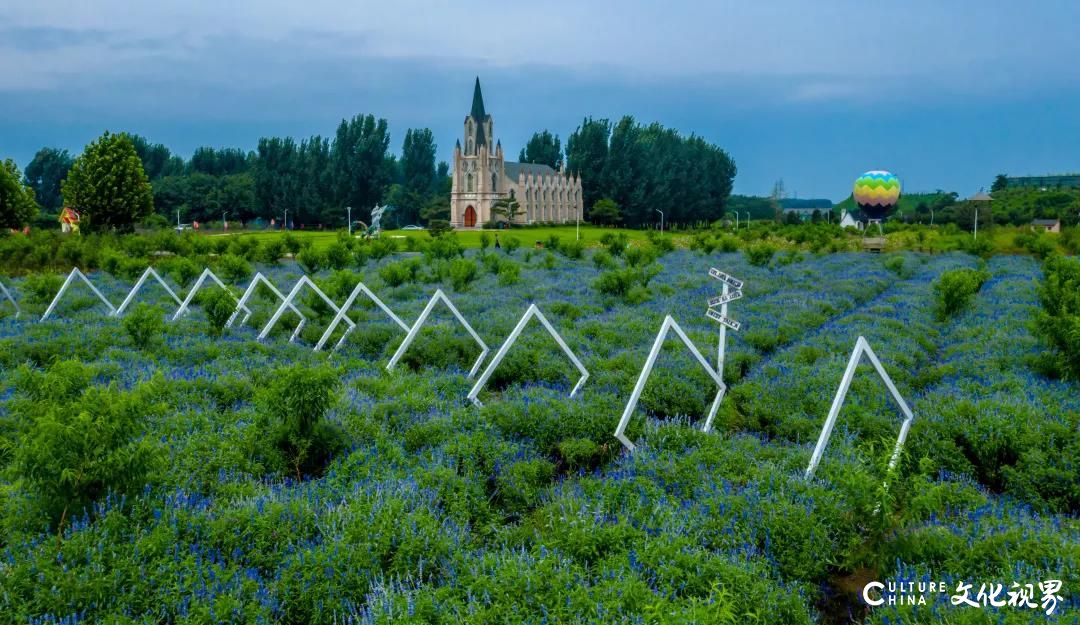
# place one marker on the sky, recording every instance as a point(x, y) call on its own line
point(946, 94)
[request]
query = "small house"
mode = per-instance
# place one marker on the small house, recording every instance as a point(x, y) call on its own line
point(1046, 225)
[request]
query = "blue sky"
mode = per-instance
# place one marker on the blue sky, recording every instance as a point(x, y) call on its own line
point(945, 94)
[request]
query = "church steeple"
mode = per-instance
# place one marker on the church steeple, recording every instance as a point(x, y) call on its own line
point(478, 103)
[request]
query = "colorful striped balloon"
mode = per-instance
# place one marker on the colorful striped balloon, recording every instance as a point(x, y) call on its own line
point(876, 192)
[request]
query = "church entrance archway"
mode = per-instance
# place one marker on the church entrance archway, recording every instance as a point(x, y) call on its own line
point(470, 217)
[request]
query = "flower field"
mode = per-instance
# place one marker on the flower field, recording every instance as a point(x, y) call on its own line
point(527, 510)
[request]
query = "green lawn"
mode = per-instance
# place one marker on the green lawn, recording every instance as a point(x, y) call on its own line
point(469, 238)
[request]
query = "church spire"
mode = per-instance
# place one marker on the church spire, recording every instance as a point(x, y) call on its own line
point(478, 103)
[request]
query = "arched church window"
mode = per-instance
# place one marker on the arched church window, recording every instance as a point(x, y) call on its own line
point(468, 183)
point(494, 182)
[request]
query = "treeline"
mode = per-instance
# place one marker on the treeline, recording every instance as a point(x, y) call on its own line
point(311, 180)
point(645, 169)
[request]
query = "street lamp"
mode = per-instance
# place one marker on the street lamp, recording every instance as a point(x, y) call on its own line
point(178, 220)
point(285, 226)
point(661, 219)
point(976, 235)
point(349, 209)
point(931, 217)
point(747, 219)
point(736, 220)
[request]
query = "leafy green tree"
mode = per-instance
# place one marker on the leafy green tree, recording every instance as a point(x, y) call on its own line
point(1058, 322)
point(77, 450)
point(1001, 182)
point(586, 155)
point(156, 159)
point(45, 173)
point(542, 148)
point(108, 186)
point(292, 413)
point(362, 169)
point(17, 205)
point(508, 208)
point(605, 211)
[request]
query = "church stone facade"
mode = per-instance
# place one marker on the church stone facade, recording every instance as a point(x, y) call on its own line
point(482, 177)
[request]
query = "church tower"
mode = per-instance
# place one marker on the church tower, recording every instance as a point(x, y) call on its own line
point(478, 168)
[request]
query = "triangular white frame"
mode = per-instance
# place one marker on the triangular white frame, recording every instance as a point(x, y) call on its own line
point(198, 285)
point(532, 311)
point(661, 336)
point(343, 314)
point(150, 272)
point(415, 330)
point(241, 304)
point(288, 303)
point(76, 273)
point(8, 297)
point(861, 347)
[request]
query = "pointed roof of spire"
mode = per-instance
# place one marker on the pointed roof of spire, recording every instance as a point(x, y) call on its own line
point(478, 112)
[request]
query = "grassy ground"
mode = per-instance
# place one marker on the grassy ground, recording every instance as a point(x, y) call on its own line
point(471, 238)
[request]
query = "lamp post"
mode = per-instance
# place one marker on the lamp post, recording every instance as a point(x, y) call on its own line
point(931, 217)
point(661, 219)
point(748, 220)
point(349, 211)
point(577, 225)
point(178, 220)
point(976, 234)
point(736, 220)
point(285, 226)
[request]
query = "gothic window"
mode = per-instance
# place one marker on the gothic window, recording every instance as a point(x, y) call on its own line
point(494, 182)
point(468, 183)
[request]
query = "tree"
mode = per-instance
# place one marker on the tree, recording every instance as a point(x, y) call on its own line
point(1001, 182)
point(360, 164)
point(586, 156)
point(156, 159)
point(45, 173)
point(108, 186)
point(17, 205)
point(605, 211)
point(437, 208)
point(542, 148)
point(419, 176)
point(508, 208)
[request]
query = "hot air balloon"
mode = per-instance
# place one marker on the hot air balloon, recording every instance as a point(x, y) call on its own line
point(876, 193)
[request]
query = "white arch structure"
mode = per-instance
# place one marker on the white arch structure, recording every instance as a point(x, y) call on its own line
point(342, 315)
point(532, 311)
point(76, 273)
point(861, 347)
point(287, 303)
point(206, 274)
point(241, 304)
point(415, 330)
point(668, 325)
point(149, 273)
point(7, 295)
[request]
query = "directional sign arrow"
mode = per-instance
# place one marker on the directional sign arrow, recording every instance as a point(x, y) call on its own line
point(723, 277)
point(723, 299)
point(715, 316)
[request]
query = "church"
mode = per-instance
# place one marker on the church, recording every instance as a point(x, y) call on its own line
point(481, 178)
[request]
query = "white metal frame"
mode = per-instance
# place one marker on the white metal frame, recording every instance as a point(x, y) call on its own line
point(288, 303)
point(415, 330)
point(198, 285)
point(76, 273)
point(861, 347)
point(669, 324)
point(150, 272)
point(343, 315)
point(241, 304)
point(532, 311)
point(8, 297)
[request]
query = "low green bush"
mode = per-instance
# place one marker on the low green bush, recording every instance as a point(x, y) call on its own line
point(954, 290)
point(292, 408)
point(1058, 321)
point(145, 325)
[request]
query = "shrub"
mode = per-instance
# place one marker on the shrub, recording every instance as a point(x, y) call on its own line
point(955, 289)
point(270, 252)
point(183, 271)
point(603, 260)
point(509, 273)
point(759, 254)
point(1058, 322)
point(41, 288)
point(397, 273)
point(311, 260)
point(338, 256)
point(462, 273)
point(616, 243)
point(549, 261)
point(74, 453)
point(292, 411)
point(509, 244)
point(145, 325)
point(233, 268)
point(219, 305)
point(438, 227)
point(485, 240)
point(573, 249)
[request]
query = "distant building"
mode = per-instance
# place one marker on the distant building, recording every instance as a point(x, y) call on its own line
point(1052, 181)
point(847, 220)
point(481, 178)
point(1046, 225)
point(805, 208)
